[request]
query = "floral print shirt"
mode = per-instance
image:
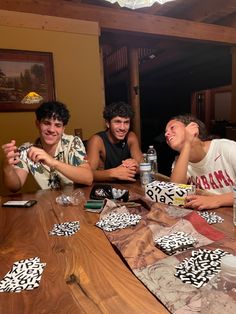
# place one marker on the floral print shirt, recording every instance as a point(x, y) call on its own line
point(70, 150)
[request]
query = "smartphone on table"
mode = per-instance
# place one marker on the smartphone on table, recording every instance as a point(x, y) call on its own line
point(16, 203)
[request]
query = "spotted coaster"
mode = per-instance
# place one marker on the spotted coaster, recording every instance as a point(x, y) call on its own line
point(211, 217)
point(175, 242)
point(200, 267)
point(116, 221)
point(65, 229)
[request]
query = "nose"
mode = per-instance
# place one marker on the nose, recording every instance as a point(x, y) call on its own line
point(51, 128)
point(122, 125)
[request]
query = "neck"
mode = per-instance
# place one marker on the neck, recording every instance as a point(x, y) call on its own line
point(199, 150)
point(111, 138)
point(50, 149)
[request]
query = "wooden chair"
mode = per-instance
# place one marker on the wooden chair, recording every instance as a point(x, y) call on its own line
point(79, 132)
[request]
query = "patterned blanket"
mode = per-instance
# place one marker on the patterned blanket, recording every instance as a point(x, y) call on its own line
point(150, 264)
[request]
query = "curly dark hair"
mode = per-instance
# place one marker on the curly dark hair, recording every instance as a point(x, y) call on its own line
point(53, 110)
point(188, 118)
point(120, 109)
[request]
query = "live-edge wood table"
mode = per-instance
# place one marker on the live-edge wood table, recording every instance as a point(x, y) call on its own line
point(83, 272)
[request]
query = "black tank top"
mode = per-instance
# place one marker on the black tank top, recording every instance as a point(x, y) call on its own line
point(115, 153)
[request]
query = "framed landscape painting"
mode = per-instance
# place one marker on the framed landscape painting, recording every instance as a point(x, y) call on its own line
point(22, 72)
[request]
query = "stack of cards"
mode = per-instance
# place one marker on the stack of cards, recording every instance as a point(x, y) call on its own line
point(175, 242)
point(200, 267)
point(115, 221)
point(65, 229)
point(24, 275)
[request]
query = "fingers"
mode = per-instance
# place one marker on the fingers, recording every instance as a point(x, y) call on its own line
point(11, 153)
point(36, 154)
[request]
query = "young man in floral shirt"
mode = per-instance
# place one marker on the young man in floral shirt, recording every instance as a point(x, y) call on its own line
point(55, 159)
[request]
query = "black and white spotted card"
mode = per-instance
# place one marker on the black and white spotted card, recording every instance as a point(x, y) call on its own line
point(24, 275)
point(200, 267)
point(175, 242)
point(65, 229)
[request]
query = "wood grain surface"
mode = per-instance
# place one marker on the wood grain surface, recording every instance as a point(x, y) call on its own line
point(83, 274)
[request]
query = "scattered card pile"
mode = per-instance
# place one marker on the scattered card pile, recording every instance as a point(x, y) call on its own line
point(210, 217)
point(65, 229)
point(175, 242)
point(24, 275)
point(116, 221)
point(200, 267)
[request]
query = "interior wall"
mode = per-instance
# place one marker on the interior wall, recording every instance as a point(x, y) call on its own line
point(78, 81)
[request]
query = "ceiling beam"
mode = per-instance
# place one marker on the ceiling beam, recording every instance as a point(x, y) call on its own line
point(126, 20)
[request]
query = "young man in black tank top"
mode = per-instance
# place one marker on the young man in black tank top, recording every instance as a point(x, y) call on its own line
point(115, 153)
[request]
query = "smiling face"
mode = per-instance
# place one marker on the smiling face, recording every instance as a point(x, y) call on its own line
point(50, 131)
point(175, 134)
point(118, 128)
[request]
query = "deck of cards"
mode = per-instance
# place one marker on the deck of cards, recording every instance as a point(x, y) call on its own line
point(24, 275)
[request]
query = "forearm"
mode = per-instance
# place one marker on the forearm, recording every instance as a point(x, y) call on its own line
point(103, 175)
point(179, 173)
point(78, 174)
point(225, 199)
point(10, 178)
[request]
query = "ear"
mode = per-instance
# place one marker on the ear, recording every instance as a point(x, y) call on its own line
point(107, 124)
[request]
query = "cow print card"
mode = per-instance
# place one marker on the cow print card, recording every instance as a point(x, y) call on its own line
point(210, 217)
point(200, 267)
point(24, 275)
point(175, 242)
point(65, 229)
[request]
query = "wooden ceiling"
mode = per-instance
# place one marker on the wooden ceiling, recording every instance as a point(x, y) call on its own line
point(191, 40)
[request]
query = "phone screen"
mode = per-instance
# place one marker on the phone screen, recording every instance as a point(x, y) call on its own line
point(15, 203)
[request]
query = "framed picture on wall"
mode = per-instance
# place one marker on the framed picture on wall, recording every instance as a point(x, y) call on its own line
point(23, 72)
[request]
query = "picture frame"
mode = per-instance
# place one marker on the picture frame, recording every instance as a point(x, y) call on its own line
point(21, 72)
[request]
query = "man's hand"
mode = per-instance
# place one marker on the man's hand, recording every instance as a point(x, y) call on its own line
point(39, 155)
point(11, 153)
point(124, 173)
point(130, 163)
point(202, 202)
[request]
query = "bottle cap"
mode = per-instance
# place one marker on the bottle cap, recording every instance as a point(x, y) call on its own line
point(145, 166)
point(228, 264)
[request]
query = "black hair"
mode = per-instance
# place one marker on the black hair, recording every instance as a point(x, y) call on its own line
point(53, 110)
point(188, 118)
point(120, 109)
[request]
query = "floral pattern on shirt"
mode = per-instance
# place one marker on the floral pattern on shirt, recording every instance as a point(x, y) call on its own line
point(69, 150)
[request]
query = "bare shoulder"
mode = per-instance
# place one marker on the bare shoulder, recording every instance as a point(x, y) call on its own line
point(95, 144)
point(132, 137)
point(95, 140)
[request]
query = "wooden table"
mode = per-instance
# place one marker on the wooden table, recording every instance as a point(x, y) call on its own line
point(83, 272)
